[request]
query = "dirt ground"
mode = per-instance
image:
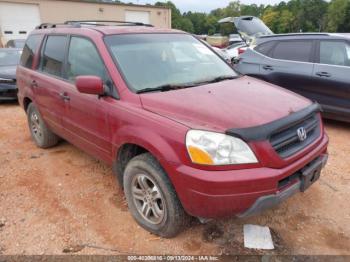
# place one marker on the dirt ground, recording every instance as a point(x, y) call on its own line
point(62, 200)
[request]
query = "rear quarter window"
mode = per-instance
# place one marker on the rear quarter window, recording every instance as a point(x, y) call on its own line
point(265, 48)
point(29, 49)
point(293, 50)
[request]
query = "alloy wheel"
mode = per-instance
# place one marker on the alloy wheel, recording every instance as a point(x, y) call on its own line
point(148, 199)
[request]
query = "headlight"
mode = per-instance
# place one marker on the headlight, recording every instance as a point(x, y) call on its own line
point(210, 148)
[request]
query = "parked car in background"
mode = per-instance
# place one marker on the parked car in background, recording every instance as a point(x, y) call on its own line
point(186, 135)
point(15, 43)
point(217, 50)
point(234, 50)
point(9, 59)
point(217, 40)
point(222, 54)
point(234, 38)
point(314, 65)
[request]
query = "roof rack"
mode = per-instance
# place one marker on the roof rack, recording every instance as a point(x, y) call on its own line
point(50, 25)
point(109, 22)
point(80, 23)
point(293, 34)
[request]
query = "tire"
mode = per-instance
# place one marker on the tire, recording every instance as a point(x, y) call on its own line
point(167, 217)
point(41, 134)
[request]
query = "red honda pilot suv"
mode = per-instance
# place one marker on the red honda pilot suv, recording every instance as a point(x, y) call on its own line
point(186, 135)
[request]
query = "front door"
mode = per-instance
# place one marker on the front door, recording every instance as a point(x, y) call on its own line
point(85, 120)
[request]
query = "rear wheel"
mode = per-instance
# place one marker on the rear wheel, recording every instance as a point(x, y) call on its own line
point(41, 134)
point(151, 197)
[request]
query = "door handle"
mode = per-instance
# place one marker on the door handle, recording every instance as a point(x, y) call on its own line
point(323, 74)
point(34, 84)
point(64, 96)
point(268, 67)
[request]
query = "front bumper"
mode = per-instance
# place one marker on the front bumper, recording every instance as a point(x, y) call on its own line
point(215, 194)
point(8, 91)
point(269, 201)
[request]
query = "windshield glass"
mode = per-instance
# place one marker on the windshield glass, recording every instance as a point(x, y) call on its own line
point(9, 57)
point(154, 60)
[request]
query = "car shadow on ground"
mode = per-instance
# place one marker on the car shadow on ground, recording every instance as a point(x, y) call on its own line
point(336, 123)
point(9, 103)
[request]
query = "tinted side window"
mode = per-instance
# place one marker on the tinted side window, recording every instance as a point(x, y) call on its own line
point(293, 50)
point(265, 48)
point(29, 49)
point(84, 59)
point(335, 53)
point(53, 55)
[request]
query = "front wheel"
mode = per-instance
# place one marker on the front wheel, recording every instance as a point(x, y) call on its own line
point(151, 197)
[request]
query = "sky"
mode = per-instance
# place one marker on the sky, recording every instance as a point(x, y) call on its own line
point(204, 5)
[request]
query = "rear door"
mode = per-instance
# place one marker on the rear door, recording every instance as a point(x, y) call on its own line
point(47, 81)
point(86, 119)
point(289, 64)
point(331, 77)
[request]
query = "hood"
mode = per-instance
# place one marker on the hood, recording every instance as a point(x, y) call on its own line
point(238, 103)
point(249, 27)
point(8, 72)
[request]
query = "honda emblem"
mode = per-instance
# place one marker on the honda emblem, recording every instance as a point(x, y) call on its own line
point(302, 133)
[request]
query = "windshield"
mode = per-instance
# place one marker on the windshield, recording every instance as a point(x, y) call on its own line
point(9, 57)
point(154, 60)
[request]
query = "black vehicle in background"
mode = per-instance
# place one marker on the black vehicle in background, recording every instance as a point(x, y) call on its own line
point(315, 65)
point(9, 59)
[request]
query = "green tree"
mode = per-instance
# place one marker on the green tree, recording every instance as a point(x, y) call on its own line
point(185, 24)
point(345, 25)
point(198, 21)
point(177, 19)
point(252, 9)
point(284, 17)
point(286, 22)
point(336, 14)
point(270, 18)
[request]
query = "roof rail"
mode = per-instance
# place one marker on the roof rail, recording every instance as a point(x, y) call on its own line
point(50, 25)
point(294, 34)
point(106, 23)
point(80, 23)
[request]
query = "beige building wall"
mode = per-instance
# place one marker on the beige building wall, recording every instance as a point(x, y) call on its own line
point(58, 11)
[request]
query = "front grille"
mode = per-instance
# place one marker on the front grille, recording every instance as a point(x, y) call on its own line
point(286, 141)
point(8, 93)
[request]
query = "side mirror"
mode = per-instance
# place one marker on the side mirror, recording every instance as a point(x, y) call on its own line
point(92, 85)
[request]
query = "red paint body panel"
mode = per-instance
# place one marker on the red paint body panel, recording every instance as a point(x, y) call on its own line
point(159, 122)
point(215, 106)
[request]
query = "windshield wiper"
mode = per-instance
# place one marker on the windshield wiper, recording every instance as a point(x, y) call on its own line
point(219, 79)
point(168, 87)
point(162, 88)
